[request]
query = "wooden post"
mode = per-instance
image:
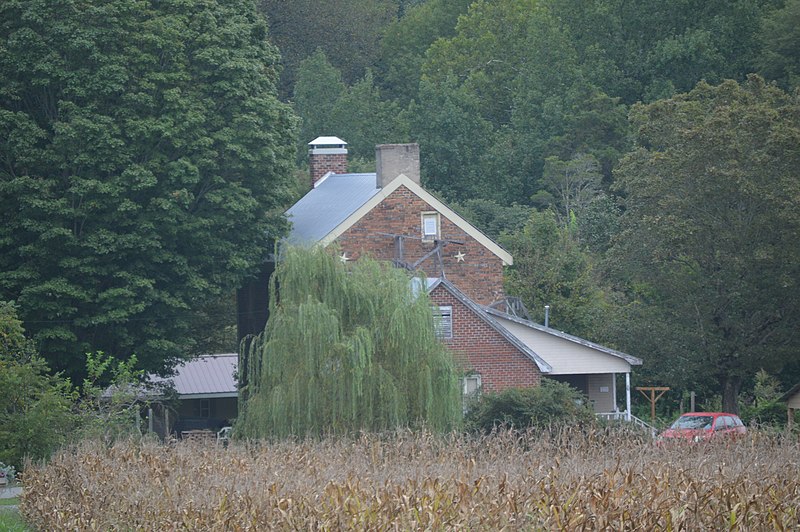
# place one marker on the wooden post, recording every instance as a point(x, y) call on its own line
point(653, 398)
point(691, 402)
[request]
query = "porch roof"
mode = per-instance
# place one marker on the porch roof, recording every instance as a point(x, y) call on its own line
point(565, 353)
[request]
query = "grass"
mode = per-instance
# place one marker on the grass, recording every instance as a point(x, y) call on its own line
point(409, 481)
point(10, 521)
point(14, 501)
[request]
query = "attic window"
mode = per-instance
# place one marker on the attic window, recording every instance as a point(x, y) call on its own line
point(443, 322)
point(430, 226)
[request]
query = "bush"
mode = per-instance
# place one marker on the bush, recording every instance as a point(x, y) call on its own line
point(551, 403)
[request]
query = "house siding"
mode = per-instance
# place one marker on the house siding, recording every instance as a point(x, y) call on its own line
point(479, 275)
point(479, 348)
point(603, 401)
point(794, 401)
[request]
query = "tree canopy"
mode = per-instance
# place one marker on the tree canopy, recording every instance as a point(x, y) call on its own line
point(347, 348)
point(144, 153)
point(709, 231)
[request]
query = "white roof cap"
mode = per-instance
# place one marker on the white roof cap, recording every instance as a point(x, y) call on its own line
point(327, 141)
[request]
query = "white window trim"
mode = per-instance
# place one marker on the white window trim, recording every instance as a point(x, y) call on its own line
point(471, 376)
point(428, 237)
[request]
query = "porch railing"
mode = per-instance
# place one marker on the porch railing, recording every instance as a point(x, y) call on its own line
point(623, 416)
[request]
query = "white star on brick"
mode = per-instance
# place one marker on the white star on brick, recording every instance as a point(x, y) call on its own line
point(459, 256)
point(344, 258)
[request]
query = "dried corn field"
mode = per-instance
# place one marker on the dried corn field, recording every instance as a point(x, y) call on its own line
point(567, 481)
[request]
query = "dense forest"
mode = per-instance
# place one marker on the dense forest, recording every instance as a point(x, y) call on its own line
point(638, 158)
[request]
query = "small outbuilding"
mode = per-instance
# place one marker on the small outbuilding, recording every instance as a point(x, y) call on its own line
point(792, 399)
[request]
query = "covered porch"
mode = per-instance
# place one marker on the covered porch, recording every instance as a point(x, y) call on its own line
point(587, 366)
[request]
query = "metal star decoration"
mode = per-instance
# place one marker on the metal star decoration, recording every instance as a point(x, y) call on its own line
point(344, 258)
point(459, 256)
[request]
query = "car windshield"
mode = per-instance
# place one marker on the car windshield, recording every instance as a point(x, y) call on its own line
point(693, 422)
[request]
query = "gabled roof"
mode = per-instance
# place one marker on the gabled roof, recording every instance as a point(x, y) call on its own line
point(327, 206)
point(480, 311)
point(525, 330)
point(338, 201)
point(205, 376)
point(793, 390)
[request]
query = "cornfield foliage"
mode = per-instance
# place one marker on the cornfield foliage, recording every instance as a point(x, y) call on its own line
point(348, 347)
point(569, 480)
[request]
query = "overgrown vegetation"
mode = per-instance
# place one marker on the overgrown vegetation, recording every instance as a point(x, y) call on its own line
point(568, 480)
point(41, 412)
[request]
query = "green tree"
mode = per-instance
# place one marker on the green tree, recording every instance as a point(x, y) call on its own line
point(550, 268)
point(345, 349)
point(780, 35)
point(405, 41)
point(366, 120)
point(492, 218)
point(709, 231)
point(36, 415)
point(318, 87)
point(453, 139)
point(357, 113)
point(144, 155)
point(348, 31)
point(569, 186)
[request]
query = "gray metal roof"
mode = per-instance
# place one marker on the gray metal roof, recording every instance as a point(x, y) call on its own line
point(335, 197)
point(205, 375)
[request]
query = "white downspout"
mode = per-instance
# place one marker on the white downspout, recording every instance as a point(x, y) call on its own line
point(628, 396)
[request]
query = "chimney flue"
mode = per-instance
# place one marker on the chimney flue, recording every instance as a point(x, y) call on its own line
point(326, 154)
point(392, 160)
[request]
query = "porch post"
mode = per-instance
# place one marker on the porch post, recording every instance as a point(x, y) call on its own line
point(628, 396)
point(614, 391)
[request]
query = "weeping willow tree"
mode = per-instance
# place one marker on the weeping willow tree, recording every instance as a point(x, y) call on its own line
point(348, 347)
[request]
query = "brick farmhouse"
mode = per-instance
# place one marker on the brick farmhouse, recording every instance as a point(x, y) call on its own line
point(389, 216)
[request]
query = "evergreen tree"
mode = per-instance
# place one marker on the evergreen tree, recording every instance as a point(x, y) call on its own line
point(143, 153)
point(346, 348)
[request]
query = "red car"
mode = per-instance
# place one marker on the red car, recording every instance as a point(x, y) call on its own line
point(702, 426)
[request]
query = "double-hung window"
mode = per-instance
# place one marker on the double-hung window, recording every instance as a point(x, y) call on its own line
point(430, 226)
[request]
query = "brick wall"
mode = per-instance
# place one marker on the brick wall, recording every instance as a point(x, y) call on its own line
point(479, 275)
point(480, 348)
point(320, 164)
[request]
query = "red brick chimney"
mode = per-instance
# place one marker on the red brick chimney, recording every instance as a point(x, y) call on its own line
point(326, 154)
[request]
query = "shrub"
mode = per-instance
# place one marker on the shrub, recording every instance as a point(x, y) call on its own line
point(551, 403)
